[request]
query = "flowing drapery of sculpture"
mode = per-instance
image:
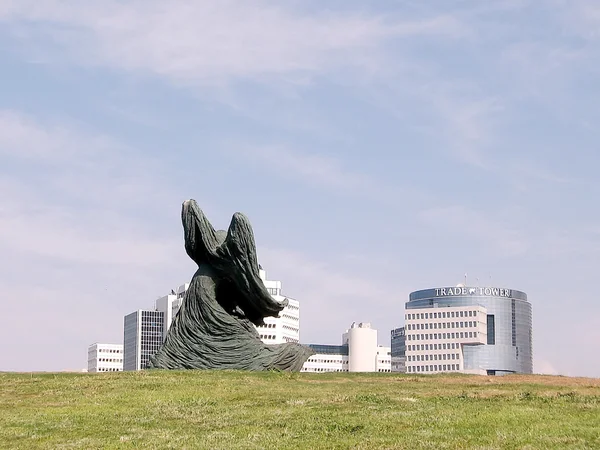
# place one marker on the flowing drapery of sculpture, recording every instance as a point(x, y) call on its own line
point(214, 327)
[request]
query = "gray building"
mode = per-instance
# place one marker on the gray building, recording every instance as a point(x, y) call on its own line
point(398, 350)
point(481, 330)
point(142, 338)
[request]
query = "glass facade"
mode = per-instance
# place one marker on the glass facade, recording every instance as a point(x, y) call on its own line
point(398, 350)
point(151, 336)
point(143, 337)
point(508, 345)
point(330, 349)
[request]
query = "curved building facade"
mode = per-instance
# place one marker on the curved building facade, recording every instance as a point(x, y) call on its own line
point(481, 330)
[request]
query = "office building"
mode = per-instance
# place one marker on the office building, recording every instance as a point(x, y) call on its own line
point(142, 338)
point(359, 352)
point(276, 330)
point(478, 330)
point(105, 357)
point(141, 328)
point(286, 327)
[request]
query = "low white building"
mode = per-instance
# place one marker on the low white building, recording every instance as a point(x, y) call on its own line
point(359, 352)
point(105, 357)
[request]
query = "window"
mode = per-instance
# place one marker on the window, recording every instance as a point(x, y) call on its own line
point(452, 313)
point(491, 330)
point(427, 315)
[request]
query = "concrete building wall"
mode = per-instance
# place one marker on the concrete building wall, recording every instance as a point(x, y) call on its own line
point(361, 348)
point(105, 357)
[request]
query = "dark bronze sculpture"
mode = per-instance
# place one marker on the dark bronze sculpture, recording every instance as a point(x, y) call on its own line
point(214, 328)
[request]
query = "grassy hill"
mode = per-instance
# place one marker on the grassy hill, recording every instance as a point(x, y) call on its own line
point(230, 410)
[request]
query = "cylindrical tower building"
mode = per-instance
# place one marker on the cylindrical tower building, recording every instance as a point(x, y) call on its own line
point(483, 330)
point(362, 348)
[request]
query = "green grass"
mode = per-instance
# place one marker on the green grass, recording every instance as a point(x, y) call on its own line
point(230, 410)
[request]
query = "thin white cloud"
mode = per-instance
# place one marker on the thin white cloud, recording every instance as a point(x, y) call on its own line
point(21, 137)
point(327, 172)
point(314, 168)
point(70, 194)
point(206, 42)
point(331, 299)
point(467, 122)
point(72, 250)
point(474, 226)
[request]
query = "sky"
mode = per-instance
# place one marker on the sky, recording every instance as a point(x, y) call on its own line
point(377, 147)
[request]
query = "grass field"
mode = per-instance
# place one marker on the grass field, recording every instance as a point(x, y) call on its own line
point(230, 410)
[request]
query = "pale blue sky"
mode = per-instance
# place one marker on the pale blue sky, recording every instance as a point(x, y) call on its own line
point(377, 149)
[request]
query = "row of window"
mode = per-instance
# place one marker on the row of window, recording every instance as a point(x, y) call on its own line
point(440, 315)
point(326, 361)
point(440, 325)
point(287, 316)
point(268, 336)
point(267, 325)
point(434, 357)
point(287, 339)
point(421, 347)
point(292, 307)
point(113, 360)
point(109, 369)
point(287, 327)
point(109, 350)
point(326, 369)
point(431, 336)
point(433, 368)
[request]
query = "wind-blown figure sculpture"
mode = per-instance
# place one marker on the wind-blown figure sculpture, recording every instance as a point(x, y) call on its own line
point(214, 328)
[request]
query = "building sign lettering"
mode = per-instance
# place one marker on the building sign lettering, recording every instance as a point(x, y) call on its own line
point(479, 291)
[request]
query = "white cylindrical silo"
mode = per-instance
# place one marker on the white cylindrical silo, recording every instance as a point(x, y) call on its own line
point(362, 348)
